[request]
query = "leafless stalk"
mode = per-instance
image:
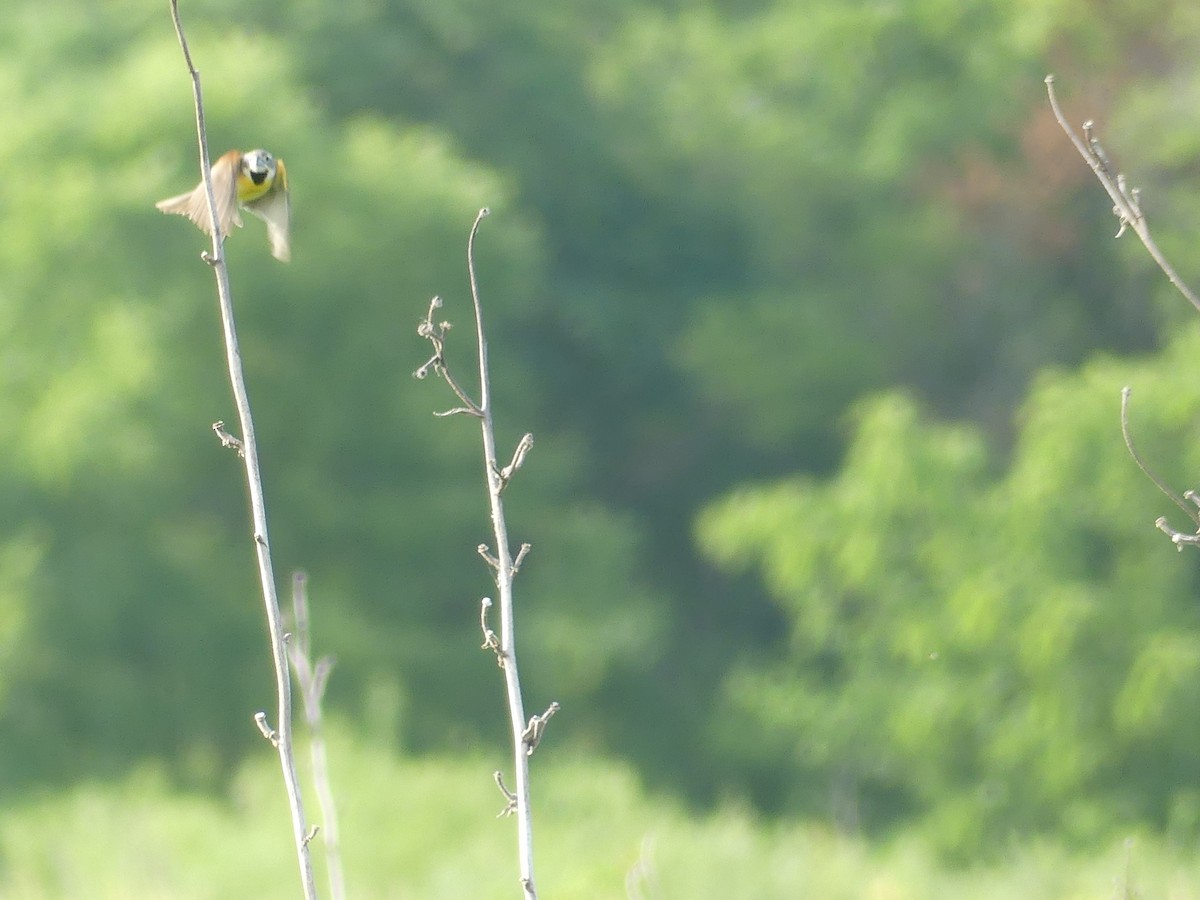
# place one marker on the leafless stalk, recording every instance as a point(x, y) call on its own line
point(525, 734)
point(1126, 201)
point(312, 679)
point(281, 739)
point(1128, 210)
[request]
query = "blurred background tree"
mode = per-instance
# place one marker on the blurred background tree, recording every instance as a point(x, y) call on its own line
point(825, 249)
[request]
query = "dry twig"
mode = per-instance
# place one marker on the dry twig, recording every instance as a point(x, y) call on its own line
point(504, 567)
point(1128, 210)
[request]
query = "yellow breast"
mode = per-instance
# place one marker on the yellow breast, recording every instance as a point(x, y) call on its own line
point(248, 191)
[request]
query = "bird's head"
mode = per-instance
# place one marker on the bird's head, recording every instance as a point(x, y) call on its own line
point(258, 166)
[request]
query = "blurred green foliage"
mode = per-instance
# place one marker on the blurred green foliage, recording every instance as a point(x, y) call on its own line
point(951, 624)
point(718, 227)
point(427, 828)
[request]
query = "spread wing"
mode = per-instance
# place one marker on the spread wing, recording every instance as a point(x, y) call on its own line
point(275, 208)
point(194, 204)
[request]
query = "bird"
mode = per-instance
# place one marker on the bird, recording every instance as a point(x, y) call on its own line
point(255, 181)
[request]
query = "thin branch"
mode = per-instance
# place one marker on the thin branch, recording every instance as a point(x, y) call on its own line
point(1126, 202)
point(282, 738)
point(436, 333)
point(312, 679)
point(1189, 509)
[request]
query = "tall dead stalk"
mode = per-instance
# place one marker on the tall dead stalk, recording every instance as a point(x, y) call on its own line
point(280, 736)
point(526, 733)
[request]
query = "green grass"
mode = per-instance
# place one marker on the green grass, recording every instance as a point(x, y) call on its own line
point(427, 829)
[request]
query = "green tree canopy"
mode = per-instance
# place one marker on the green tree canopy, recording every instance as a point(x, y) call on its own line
point(989, 649)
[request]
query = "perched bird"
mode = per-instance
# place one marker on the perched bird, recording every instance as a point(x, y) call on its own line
point(255, 181)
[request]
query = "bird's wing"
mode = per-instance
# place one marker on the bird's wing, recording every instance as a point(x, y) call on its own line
point(194, 204)
point(275, 208)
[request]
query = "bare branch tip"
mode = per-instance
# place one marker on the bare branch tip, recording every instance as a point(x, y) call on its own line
point(482, 550)
point(536, 729)
point(228, 440)
point(521, 554)
point(260, 719)
point(490, 641)
point(511, 806)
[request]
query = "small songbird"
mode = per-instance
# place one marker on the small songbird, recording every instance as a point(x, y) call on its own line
point(255, 181)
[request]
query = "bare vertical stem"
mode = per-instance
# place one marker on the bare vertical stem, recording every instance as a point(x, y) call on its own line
point(281, 739)
point(526, 735)
point(504, 586)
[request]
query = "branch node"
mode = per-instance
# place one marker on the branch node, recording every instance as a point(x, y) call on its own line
point(227, 439)
point(310, 834)
point(260, 719)
point(536, 729)
point(482, 550)
point(510, 806)
point(521, 554)
point(518, 459)
point(490, 641)
point(436, 335)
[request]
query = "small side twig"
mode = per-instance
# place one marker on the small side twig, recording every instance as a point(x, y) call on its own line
point(518, 460)
point(521, 554)
point(510, 805)
point(487, 557)
point(436, 333)
point(490, 641)
point(228, 441)
point(260, 719)
point(536, 729)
